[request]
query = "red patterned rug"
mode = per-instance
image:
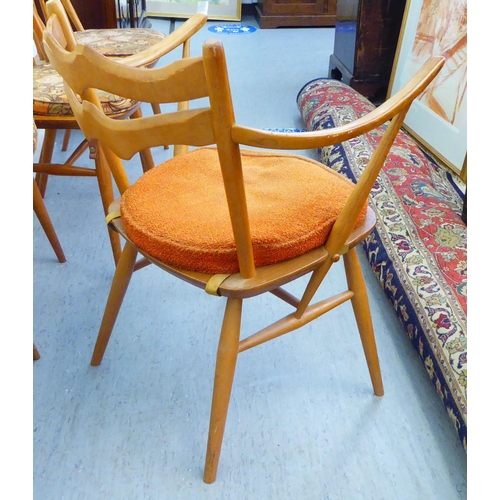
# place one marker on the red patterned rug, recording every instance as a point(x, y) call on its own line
point(418, 250)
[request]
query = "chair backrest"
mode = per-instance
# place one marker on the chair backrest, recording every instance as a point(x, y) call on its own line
point(206, 76)
point(38, 28)
point(70, 11)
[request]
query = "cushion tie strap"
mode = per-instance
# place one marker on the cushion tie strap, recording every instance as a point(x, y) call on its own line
point(113, 215)
point(213, 284)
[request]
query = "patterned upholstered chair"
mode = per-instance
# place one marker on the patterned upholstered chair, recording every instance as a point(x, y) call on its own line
point(111, 42)
point(52, 112)
point(236, 223)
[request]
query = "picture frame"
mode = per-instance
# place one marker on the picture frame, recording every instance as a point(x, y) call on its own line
point(438, 118)
point(227, 10)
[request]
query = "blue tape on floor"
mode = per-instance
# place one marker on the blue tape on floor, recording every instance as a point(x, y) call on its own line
point(286, 129)
point(232, 29)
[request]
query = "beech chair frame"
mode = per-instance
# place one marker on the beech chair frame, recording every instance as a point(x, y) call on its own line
point(193, 78)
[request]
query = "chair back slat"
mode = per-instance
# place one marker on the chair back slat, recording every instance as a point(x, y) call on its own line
point(229, 152)
point(43, 8)
point(72, 14)
point(38, 27)
point(65, 35)
point(127, 137)
point(69, 11)
point(182, 80)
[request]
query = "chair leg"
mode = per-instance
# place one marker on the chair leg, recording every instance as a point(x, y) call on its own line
point(36, 354)
point(46, 223)
point(227, 355)
point(46, 157)
point(121, 280)
point(147, 160)
point(361, 307)
point(67, 137)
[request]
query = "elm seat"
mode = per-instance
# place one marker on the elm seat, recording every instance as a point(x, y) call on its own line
point(49, 96)
point(292, 204)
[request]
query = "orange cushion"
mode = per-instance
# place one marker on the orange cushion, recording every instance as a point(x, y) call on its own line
point(177, 212)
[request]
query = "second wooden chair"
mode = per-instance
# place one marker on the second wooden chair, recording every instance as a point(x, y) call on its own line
point(52, 112)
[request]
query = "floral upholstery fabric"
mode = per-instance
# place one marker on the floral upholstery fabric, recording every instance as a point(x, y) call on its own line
point(49, 97)
point(418, 250)
point(119, 42)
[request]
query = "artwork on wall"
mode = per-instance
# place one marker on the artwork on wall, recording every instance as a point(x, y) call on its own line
point(229, 10)
point(438, 119)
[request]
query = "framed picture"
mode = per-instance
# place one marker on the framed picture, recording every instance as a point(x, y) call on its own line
point(229, 10)
point(438, 119)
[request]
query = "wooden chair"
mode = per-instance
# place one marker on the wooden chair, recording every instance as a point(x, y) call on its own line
point(234, 222)
point(52, 112)
point(111, 42)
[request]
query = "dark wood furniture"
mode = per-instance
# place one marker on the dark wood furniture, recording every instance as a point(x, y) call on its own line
point(283, 13)
point(112, 13)
point(366, 36)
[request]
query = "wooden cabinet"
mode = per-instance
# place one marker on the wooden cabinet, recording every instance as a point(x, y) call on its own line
point(366, 36)
point(282, 13)
point(96, 13)
point(112, 13)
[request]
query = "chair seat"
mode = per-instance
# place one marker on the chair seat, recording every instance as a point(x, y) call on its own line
point(120, 42)
point(177, 212)
point(49, 96)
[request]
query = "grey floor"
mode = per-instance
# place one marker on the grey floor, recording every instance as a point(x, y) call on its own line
point(303, 422)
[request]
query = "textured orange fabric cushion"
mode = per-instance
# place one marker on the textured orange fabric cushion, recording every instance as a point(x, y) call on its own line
point(177, 212)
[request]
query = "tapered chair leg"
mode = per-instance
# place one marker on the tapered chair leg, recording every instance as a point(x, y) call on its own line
point(36, 354)
point(46, 157)
point(121, 280)
point(227, 355)
point(67, 137)
point(361, 307)
point(46, 223)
